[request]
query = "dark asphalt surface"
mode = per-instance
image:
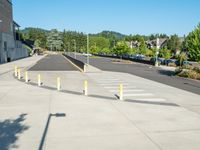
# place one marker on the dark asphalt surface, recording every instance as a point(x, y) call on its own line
point(53, 63)
point(145, 71)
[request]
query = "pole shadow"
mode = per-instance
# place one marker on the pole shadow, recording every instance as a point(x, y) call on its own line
point(42, 141)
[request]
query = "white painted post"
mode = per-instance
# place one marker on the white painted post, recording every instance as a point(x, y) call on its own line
point(19, 74)
point(85, 88)
point(39, 80)
point(15, 71)
point(58, 84)
point(121, 92)
point(26, 77)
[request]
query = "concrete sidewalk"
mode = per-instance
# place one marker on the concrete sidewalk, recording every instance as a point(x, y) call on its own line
point(33, 117)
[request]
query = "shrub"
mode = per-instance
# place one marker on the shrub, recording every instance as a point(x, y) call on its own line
point(172, 65)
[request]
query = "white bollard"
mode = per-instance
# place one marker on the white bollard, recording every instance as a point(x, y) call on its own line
point(19, 74)
point(39, 80)
point(58, 84)
point(85, 88)
point(15, 71)
point(26, 77)
point(121, 89)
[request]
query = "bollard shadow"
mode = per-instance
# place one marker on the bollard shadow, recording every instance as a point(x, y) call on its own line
point(152, 103)
point(10, 130)
point(70, 92)
point(42, 141)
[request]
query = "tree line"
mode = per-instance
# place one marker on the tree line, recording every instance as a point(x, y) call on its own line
point(109, 42)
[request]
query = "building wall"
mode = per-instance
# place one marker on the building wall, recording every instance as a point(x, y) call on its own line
point(10, 49)
point(6, 15)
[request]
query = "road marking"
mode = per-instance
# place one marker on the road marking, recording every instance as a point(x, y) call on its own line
point(117, 87)
point(138, 94)
point(151, 99)
point(114, 84)
point(128, 90)
point(109, 81)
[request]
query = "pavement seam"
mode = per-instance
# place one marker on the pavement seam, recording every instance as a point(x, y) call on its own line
point(135, 125)
point(5, 72)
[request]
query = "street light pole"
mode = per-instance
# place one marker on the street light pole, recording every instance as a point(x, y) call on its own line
point(74, 48)
point(88, 49)
point(157, 51)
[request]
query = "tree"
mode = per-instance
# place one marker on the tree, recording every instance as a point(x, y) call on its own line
point(97, 44)
point(143, 46)
point(174, 43)
point(54, 40)
point(121, 48)
point(182, 57)
point(68, 38)
point(37, 35)
point(192, 44)
point(165, 53)
point(37, 43)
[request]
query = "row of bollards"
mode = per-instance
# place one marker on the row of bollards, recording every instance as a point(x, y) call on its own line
point(17, 72)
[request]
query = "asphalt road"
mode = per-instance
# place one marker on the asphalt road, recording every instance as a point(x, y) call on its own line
point(146, 71)
point(53, 63)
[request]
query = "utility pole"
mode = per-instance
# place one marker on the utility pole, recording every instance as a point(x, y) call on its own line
point(88, 49)
point(157, 51)
point(74, 48)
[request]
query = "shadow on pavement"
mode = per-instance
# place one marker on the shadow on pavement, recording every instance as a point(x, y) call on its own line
point(166, 72)
point(10, 131)
point(70, 92)
point(152, 103)
point(47, 128)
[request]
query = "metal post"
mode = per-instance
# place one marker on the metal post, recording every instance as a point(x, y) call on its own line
point(157, 51)
point(75, 49)
point(88, 49)
point(26, 77)
point(19, 74)
point(15, 71)
point(39, 80)
point(121, 91)
point(58, 84)
point(85, 88)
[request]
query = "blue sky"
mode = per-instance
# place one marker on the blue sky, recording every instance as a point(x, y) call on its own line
point(125, 16)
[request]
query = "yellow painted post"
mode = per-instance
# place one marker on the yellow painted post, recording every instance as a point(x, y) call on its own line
point(15, 71)
point(121, 89)
point(39, 80)
point(19, 73)
point(58, 84)
point(85, 87)
point(26, 77)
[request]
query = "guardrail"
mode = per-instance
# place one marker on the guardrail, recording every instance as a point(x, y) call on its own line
point(77, 63)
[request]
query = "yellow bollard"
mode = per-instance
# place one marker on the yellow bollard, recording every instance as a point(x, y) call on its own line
point(39, 80)
point(121, 89)
point(85, 88)
point(19, 73)
point(26, 77)
point(15, 71)
point(58, 84)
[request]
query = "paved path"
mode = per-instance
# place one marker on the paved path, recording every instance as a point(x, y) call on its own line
point(53, 63)
point(147, 72)
point(33, 117)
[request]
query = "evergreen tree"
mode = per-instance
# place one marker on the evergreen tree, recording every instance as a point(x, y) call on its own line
point(192, 44)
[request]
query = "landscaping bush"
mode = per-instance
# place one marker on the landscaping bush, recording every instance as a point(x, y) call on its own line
point(172, 65)
point(189, 72)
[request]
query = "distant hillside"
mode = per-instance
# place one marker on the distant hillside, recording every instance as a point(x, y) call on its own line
point(106, 34)
point(110, 35)
point(27, 30)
